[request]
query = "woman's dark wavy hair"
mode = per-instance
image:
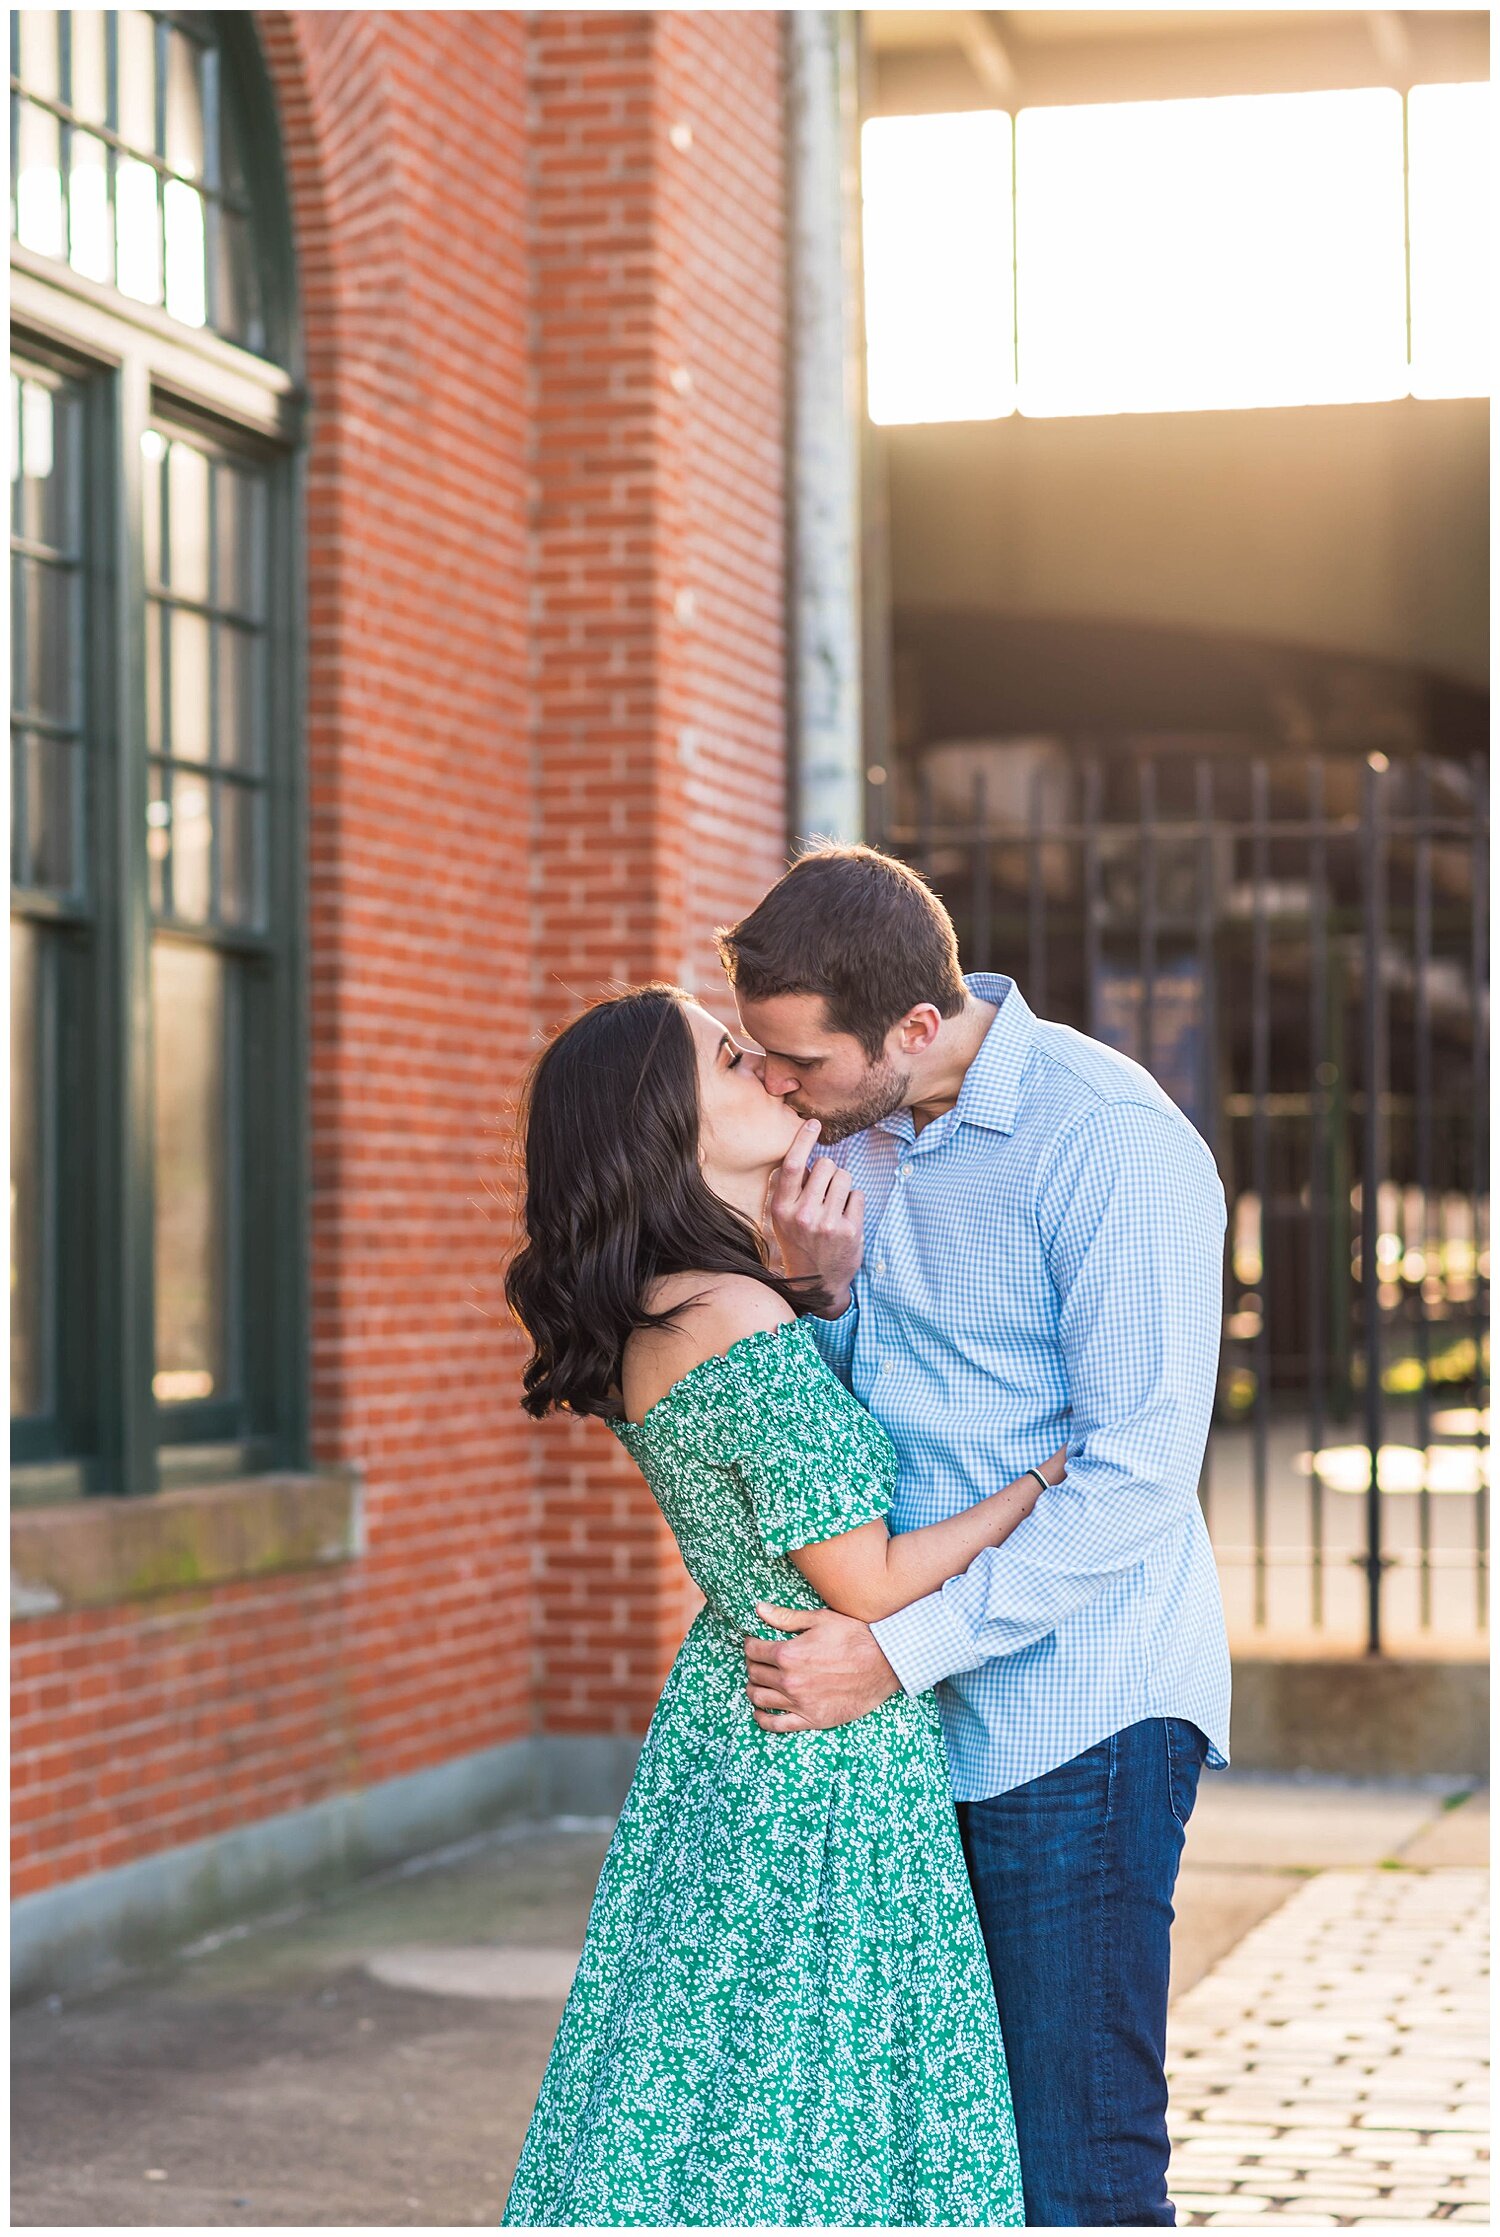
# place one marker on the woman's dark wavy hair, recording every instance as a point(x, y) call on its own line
point(615, 1197)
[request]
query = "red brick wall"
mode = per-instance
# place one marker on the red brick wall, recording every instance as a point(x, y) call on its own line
point(544, 745)
point(414, 275)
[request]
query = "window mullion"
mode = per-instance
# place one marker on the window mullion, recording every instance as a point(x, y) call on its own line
point(49, 1121)
point(20, 697)
point(284, 870)
point(127, 1427)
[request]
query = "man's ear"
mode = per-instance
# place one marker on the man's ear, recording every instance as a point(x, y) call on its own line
point(919, 1029)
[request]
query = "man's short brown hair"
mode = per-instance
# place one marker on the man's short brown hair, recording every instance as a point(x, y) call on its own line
point(856, 927)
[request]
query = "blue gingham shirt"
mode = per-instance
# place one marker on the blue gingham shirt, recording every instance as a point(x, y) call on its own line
point(1043, 1266)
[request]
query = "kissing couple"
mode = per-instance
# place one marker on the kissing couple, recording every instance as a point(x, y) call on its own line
point(881, 1937)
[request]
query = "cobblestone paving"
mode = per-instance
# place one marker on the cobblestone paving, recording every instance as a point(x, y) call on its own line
point(1332, 2070)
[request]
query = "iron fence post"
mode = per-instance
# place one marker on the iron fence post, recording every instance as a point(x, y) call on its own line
point(1369, 1223)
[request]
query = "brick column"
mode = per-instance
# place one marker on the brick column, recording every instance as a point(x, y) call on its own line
point(657, 246)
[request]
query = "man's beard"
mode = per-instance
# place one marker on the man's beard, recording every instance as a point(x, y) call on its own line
point(884, 1092)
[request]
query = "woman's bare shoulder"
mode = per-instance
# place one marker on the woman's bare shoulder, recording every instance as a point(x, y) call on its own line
point(711, 1312)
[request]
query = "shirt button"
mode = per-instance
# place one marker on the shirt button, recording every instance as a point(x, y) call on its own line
point(880, 1265)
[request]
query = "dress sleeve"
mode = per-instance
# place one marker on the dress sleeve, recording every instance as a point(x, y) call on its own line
point(814, 1463)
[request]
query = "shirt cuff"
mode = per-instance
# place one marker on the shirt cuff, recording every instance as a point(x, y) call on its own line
point(835, 1338)
point(925, 1643)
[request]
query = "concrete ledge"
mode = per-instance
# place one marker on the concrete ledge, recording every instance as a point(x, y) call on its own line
point(112, 1922)
point(94, 1553)
point(583, 1776)
point(1360, 1716)
point(91, 1930)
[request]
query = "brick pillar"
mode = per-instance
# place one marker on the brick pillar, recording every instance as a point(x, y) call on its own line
point(659, 333)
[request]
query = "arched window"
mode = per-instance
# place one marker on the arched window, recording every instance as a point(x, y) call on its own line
point(157, 1036)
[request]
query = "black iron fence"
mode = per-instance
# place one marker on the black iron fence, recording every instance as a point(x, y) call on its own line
point(1297, 950)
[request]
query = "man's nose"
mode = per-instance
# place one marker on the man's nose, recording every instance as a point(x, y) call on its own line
point(779, 1079)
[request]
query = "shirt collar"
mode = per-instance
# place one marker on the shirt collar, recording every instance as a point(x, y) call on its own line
point(992, 1084)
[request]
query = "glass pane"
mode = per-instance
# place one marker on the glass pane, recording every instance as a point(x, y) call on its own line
point(137, 36)
point(188, 989)
point(158, 836)
point(192, 837)
point(138, 225)
point(231, 156)
point(89, 76)
point(241, 540)
point(38, 215)
point(90, 236)
point(187, 278)
point(44, 509)
point(239, 856)
point(20, 871)
point(51, 781)
point(1211, 254)
point(191, 720)
point(48, 596)
point(28, 1319)
point(236, 313)
point(240, 698)
point(38, 70)
point(1448, 156)
point(46, 635)
point(157, 620)
point(39, 462)
point(153, 451)
point(187, 521)
point(184, 106)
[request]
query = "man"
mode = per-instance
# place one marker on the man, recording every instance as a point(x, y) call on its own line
point(1023, 1239)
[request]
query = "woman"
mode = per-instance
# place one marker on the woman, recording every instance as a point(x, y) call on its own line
point(783, 2012)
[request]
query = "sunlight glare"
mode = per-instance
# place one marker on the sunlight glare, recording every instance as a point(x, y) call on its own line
point(938, 278)
point(1448, 186)
point(1211, 254)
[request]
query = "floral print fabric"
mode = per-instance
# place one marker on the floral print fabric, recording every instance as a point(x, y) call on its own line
point(783, 2014)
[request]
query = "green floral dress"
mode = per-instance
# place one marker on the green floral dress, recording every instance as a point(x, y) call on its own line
point(783, 2013)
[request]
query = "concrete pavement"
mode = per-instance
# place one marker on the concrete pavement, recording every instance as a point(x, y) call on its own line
point(372, 2060)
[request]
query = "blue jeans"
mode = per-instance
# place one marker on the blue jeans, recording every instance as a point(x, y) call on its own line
point(1073, 1876)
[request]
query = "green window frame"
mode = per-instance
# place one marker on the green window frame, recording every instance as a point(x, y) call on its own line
point(159, 1167)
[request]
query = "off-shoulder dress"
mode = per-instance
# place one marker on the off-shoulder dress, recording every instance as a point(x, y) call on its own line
point(783, 2012)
